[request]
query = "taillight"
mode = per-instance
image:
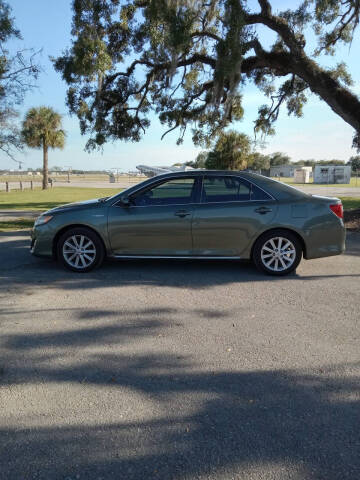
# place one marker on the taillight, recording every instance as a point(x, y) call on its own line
point(338, 210)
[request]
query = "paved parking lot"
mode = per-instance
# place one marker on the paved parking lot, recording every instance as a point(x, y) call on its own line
point(178, 370)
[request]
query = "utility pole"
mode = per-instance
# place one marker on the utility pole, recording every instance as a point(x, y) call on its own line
point(19, 162)
point(68, 172)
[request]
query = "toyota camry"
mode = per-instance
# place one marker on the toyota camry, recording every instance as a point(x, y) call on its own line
point(198, 214)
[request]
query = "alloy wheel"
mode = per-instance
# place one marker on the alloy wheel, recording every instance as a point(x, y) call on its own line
point(278, 254)
point(79, 251)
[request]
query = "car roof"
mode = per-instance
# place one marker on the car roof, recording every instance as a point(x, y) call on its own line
point(202, 172)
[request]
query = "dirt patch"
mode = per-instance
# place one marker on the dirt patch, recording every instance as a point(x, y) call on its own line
point(352, 219)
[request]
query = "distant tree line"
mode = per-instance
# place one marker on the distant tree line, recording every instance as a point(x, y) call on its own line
point(234, 151)
point(355, 163)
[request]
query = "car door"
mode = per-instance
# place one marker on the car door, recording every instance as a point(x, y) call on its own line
point(232, 212)
point(157, 221)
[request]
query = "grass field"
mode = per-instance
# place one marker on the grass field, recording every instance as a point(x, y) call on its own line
point(45, 199)
point(39, 200)
point(19, 224)
point(350, 202)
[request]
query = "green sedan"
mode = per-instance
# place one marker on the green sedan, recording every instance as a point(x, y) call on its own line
point(197, 214)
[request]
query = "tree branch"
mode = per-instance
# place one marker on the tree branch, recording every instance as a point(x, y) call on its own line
point(206, 34)
point(278, 25)
point(265, 7)
point(196, 58)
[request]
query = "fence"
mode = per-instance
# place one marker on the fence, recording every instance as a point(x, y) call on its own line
point(90, 181)
point(20, 185)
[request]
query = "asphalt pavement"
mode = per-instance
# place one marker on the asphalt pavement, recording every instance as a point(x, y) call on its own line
point(178, 370)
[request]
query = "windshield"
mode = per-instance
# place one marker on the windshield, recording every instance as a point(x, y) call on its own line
point(138, 185)
point(123, 191)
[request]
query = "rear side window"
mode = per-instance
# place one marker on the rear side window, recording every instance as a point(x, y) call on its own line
point(258, 194)
point(224, 189)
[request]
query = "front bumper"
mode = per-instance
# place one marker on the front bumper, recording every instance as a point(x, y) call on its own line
point(41, 241)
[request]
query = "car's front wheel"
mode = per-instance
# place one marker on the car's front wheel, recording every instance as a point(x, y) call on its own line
point(277, 252)
point(80, 250)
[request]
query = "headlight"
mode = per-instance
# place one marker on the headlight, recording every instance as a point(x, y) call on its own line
point(42, 220)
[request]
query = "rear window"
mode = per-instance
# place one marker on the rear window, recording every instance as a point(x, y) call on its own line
point(279, 190)
point(224, 189)
point(258, 194)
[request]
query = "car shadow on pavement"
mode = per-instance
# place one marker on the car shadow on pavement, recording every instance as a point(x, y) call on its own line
point(167, 273)
point(223, 424)
point(353, 243)
point(19, 268)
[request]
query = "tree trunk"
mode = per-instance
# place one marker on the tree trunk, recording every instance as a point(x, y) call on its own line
point(45, 183)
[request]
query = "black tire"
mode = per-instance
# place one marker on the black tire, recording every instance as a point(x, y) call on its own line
point(263, 248)
point(95, 251)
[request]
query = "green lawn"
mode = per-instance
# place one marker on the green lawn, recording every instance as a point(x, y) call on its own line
point(45, 199)
point(350, 202)
point(19, 224)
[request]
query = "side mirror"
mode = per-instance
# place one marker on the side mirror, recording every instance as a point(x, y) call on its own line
point(125, 201)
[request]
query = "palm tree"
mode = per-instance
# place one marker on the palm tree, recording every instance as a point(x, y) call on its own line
point(42, 129)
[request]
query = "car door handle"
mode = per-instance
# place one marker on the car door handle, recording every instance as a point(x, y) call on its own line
point(182, 213)
point(263, 210)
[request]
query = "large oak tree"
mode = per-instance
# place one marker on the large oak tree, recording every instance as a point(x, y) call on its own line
point(188, 61)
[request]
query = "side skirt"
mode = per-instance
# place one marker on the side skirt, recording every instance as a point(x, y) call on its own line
point(187, 257)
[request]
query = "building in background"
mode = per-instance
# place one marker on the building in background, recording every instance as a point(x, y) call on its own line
point(302, 174)
point(332, 174)
point(282, 171)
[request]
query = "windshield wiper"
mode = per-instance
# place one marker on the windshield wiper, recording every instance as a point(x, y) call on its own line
point(102, 199)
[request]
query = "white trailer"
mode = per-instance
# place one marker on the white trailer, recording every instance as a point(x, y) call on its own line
point(302, 175)
point(332, 174)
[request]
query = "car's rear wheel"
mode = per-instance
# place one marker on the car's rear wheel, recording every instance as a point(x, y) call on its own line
point(277, 252)
point(80, 250)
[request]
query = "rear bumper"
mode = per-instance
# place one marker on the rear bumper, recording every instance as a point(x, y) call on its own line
point(327, 242)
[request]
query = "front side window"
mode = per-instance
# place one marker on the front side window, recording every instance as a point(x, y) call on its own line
point(224, 189)
point(173, 192)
